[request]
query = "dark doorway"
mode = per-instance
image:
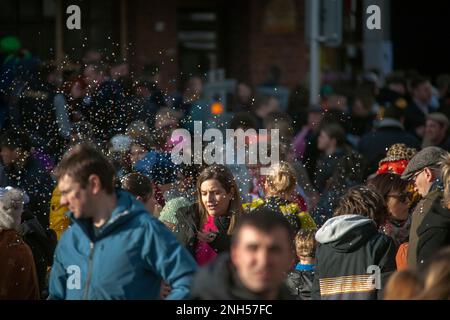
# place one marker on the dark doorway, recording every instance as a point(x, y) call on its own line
point(200, 40)
point(420, 36)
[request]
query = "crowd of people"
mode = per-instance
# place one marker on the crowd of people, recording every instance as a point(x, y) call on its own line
point(94, 207)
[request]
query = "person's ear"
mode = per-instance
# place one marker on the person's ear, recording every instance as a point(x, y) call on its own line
point(429, 174)
point(95, 183)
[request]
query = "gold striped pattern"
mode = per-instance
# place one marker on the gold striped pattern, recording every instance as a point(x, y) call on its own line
point(346, 284)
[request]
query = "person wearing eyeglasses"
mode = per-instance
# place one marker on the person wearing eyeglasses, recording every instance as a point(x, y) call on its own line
point(395, 193)
point(430, 220)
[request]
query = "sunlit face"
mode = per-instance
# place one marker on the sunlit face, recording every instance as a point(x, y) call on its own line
point(422, 181)
point(215, 198)
point(262, 259)
point(78, 200)
point(8, 155)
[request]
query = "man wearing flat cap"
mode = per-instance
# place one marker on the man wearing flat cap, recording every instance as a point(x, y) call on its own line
point(430, 220)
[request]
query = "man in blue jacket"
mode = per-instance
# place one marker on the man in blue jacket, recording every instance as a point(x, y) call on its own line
point(114, 249)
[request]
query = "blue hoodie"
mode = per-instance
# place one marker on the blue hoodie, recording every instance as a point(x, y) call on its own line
point(128, 259)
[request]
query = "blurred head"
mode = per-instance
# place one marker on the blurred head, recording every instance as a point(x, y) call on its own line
point(244, 93)
point(421, 90)
point(15, 147)
point(119, 70)
point(283, 123)
point(84, 176)
point(363, 201)
point(139, 147)
point(281, 180)
point(194, 88)
point(338, 102)
point(262, 251)
point(436, 128)
point(141, 187)
point(265, 105)
point(331, 136)
point(137, 128)
point(437, 277)
point(305, 244)
point(78, 89)
point(402, 285)
point(315, 116)
point(217, 193)
point(360, 107)
point(394, 191)
point(94, 74)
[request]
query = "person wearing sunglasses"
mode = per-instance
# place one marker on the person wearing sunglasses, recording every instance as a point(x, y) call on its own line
point(394, 191)
point(430, 220)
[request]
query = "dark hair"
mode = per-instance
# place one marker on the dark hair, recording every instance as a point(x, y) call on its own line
point(363, 201)
point(281, 121)
point(226, 179)
point(82, 161)
point(13, 140)
point(305, 243)
point(417, 81)
point(335, 131)
point(393, 112)
point(385, 183)
point(265, 220)
point(137, 184)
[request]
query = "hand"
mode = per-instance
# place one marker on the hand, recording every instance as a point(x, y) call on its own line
point(165, 290)
point(206, 236)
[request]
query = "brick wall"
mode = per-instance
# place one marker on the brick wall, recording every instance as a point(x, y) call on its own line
point(249, 51)
point(150, 45)
point(287, 51)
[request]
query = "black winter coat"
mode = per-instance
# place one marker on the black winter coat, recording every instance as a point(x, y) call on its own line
point(300, 283)
point(353, 260)
point(189, 224)
point(433, 232)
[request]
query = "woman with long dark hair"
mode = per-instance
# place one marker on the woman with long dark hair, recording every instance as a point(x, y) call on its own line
point(205, 227)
